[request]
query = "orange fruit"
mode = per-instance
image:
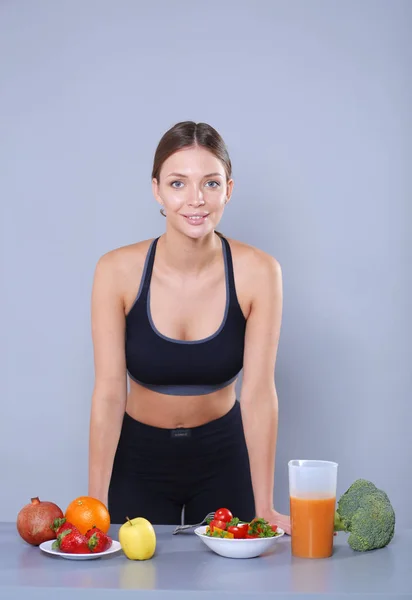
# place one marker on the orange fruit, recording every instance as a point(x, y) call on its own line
point(85, 512)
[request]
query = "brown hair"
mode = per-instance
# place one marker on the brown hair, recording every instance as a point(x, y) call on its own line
point(185, 135)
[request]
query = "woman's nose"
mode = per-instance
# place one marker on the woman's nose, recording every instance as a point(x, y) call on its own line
point(197, 199)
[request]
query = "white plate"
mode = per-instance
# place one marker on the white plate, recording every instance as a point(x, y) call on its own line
point(47, 547)
point(232, 548)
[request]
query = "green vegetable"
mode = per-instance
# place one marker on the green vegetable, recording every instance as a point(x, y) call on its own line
point(260, 527)
point(366, 513)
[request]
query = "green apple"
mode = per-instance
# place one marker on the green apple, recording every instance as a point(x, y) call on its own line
point(137, 538)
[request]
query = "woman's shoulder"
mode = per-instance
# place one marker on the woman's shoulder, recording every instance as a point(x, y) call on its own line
point(252, 260)
point(124, 262)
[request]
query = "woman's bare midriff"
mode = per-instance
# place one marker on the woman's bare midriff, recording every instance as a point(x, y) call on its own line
point(171, 412)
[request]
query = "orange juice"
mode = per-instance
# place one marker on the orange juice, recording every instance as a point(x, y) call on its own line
point(312, 523)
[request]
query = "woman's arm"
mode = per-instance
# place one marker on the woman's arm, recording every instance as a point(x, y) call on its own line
point(110, 389)
point(259, 402)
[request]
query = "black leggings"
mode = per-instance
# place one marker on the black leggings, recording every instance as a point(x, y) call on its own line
point(157, 471)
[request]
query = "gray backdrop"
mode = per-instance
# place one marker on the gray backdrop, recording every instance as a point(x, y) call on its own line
point(314, 101)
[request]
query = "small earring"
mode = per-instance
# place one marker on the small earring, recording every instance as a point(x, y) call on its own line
point(163, 212)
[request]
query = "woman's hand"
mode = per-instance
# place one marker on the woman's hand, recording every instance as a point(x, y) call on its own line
point(275, 518)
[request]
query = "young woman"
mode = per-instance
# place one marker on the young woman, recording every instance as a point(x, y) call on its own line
point(181, 315)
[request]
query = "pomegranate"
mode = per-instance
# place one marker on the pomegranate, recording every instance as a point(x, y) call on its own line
point(35, 521)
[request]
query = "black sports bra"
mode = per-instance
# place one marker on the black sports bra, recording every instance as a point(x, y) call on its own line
point(178, 367)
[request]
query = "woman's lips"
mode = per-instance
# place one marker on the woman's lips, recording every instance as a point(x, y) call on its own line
point(196, 219)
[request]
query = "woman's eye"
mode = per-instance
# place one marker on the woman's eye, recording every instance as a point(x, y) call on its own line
point(179, 184)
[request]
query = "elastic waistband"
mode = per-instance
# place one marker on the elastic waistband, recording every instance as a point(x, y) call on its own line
point(142, 429)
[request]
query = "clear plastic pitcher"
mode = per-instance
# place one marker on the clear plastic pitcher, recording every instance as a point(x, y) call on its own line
point(312, 491)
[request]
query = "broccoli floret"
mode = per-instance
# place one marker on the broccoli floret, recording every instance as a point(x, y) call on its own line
point(367, 514)
point(349, 502)
point(373, 524)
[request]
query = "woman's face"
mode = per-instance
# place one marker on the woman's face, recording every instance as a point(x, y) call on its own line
point(193, 191)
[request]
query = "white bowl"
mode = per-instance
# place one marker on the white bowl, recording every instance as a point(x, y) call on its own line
point(232, 548)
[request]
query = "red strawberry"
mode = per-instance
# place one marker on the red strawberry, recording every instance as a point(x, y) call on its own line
point(72, 542)
point(59, 525)
point(91, 531)
point(99, 541)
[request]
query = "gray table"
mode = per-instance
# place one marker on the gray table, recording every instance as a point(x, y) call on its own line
point(183, 568)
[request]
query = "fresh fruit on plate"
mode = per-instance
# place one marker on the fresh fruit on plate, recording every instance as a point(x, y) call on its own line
point(59, 525)
point(98, 541)
point(86, 512)
point(137, 539)
point(35, 521)
point(71, 542)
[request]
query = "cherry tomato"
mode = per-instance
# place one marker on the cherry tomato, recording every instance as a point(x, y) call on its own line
point(239, 531)
point(223, 514)
point(218, 524)
point(249, 537)
point(274, 528)
point(243, 527)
